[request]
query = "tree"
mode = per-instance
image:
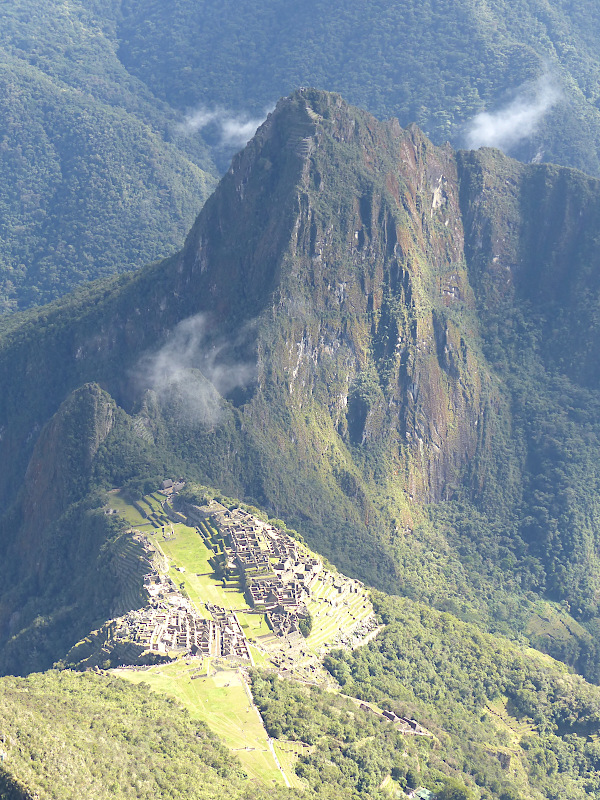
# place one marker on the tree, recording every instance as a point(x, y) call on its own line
point(454, 790)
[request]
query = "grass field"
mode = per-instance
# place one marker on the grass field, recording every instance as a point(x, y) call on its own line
point(221, 700)
point(287, 753)
point(188, 550)
point(391, 788)
point(128, 512)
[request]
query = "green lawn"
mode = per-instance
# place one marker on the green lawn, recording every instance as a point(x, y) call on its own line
point(253, 624)
point(188, 550)
point(127, 511)
point(222, 702)
point(287, 753)
point(260, 659)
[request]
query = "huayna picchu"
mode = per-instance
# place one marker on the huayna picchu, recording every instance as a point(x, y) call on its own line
point(391, 347)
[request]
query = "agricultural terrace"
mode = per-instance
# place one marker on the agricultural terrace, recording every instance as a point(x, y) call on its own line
point(190, 554)
point(338, 615)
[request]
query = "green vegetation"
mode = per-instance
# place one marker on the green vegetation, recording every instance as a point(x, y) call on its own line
point(483, 697)
point(220, 700)
point(351, 750)
point(92, 179)
point(436, 64)
point(305, 625)
point(82, 735)
point(98, 176)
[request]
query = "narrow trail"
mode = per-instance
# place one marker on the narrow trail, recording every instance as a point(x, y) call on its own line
point(274, 754)
point(269, 740)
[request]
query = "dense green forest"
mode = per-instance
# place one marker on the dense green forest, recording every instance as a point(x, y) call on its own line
point(504, 721)
point(434, 63)
point(94, 177)
point(484, 698)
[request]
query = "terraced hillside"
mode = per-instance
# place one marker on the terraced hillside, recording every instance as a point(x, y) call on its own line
point(192, 565)
point(191, 560)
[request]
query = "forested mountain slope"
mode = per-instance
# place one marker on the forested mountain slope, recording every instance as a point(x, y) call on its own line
point(363, 334)
point(106, 739)
point(436, 63)
point(94, 179)
point(502, 724)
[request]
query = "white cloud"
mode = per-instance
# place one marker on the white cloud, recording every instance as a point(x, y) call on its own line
point(516, 121)
point(233, 130)
point(190, 374)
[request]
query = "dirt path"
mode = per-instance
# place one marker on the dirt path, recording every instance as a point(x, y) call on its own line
point(269, 740)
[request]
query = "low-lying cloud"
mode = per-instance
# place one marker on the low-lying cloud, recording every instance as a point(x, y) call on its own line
point(191, 374)
point(233, 130)
point(516, 121)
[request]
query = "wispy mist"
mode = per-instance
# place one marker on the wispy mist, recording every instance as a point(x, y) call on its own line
point(516, 121)
point(233, 130)
point(192, 375)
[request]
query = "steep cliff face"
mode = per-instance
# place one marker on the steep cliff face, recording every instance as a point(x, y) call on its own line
point(359, 324)
point(532, 244)
point(356, 281)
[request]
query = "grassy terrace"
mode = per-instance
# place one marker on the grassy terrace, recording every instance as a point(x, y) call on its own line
point(287, 753)
point(334, 613)
point(187, 550)
point(220, 696)
point(515, 729)
point(128, 512)
point(221, 700)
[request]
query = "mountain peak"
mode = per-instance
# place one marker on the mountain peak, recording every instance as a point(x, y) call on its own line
point(348, 295)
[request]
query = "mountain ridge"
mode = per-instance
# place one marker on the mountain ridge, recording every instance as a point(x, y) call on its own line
point(347, 360)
